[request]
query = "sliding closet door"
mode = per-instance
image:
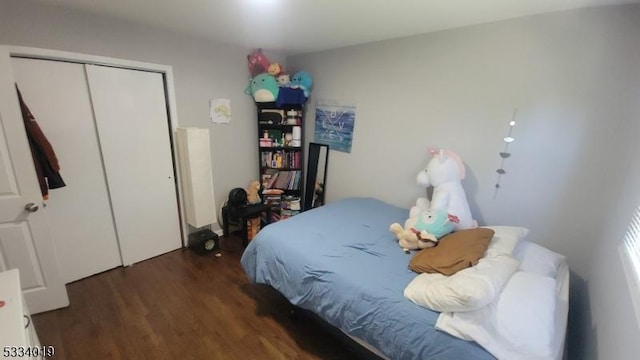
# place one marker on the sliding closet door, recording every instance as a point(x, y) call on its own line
point(79, 214)
point(131, 116)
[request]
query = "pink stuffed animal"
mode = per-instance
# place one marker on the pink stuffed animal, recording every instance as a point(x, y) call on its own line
point(258, 63)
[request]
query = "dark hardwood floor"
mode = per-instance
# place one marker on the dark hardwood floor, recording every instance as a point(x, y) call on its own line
point(183, 306)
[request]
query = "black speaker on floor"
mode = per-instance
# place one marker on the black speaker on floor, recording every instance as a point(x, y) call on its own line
point(203, 242)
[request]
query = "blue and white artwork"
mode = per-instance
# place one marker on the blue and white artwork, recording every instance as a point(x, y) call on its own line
point(334, 125)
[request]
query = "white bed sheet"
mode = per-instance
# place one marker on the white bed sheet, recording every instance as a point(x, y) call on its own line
point(560, 321)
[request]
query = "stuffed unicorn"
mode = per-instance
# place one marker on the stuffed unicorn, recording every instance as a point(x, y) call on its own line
point(444, 172)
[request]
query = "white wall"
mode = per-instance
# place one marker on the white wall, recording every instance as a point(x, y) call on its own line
point(202, 70)
point(613, 325)
point(575, 78)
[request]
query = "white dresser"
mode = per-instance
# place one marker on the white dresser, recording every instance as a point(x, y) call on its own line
point(18, 338)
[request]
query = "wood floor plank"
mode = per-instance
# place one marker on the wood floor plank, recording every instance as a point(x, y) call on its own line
point(183, 306)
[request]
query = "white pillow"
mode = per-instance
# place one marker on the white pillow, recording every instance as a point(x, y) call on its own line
point(537, 259)
point(518, 325)
point(505, 239)
point(468, 289)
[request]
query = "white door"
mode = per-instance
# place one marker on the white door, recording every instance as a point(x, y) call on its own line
point(133, 126)
point(25, 242)
point(80, 219)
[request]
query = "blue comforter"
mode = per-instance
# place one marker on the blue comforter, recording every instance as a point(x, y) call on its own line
point(341, 262)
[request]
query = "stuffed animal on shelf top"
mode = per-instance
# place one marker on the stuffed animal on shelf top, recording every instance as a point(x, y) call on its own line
point(258, 63)
point(422, 229)
point(445, 172)
point(263, 88)
point(302, 80)
point(275, 69)
point(284, 80)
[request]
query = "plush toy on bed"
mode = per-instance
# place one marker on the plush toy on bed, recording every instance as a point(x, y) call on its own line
point(444, 172)
point(422, 229)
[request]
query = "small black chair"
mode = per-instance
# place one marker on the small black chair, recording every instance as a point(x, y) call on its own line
point(237, 212)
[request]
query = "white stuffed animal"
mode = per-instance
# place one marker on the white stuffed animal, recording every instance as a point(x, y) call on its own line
point(444, 172)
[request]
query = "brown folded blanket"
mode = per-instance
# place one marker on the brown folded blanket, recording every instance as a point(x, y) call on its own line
point(456, 251)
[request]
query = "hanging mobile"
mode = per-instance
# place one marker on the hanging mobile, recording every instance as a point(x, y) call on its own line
point(505, 153)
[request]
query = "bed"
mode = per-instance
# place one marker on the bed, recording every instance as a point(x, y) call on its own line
point(341, 262)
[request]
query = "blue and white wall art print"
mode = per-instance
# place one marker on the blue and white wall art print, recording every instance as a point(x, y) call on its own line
point(334, 125)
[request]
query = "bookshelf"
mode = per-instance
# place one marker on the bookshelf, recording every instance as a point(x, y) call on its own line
point(281, 157)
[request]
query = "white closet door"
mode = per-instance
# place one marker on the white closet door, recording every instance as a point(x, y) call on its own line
point(80, 219)
point(131, 116)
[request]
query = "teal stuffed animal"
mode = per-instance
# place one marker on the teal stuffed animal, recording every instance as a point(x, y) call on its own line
point(263, 88)
point(435, 222)
point(423, 229)
point(302, 80)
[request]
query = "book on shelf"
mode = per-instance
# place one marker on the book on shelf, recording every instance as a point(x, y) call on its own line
point(268, 177)
point(280, 159)
point(272, 197)
point(281, 179)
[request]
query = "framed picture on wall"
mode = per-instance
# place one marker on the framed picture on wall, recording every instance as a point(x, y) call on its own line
point(334, 125)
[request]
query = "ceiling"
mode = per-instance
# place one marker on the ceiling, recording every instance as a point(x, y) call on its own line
point(299, 26)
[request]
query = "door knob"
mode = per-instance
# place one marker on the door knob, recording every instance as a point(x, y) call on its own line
point(31, 207)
